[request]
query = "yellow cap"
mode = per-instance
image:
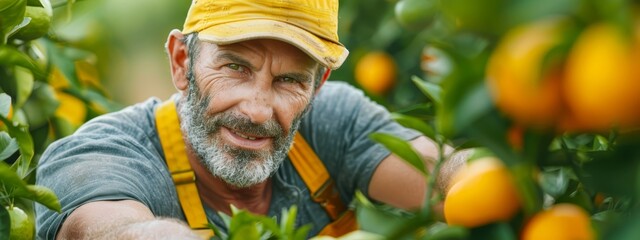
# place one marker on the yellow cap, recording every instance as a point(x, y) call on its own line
point(310, 25)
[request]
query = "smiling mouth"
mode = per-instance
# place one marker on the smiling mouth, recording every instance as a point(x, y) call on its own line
point(246, 141)
point(244, 136)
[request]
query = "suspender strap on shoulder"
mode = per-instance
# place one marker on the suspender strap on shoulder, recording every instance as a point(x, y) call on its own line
point(175, 152)
point(316, 177)
point(322, 188)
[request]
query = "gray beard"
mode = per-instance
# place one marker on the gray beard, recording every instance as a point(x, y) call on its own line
point(237, 167)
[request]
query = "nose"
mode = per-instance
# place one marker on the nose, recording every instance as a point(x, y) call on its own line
point(258, 109)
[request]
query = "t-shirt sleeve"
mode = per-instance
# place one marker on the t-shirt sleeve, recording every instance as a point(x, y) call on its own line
point(107, 159)
point(340, 123)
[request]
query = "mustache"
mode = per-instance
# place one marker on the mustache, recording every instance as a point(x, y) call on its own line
point(235, 122)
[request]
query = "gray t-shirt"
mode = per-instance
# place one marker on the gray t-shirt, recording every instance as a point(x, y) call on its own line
point(118, 156)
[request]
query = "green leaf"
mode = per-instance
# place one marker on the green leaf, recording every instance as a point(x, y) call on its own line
point(600, 143)
point(10, 56)
point(579, 197)
point(480, 152)
point(442, 231)
point(302, 232)
point(226, 219)
point(288, 221)
point(603, 221)
point(25, 22)
point(5, 104)
point(245, 231)
point(626, 229)
point(361, 199)
point(554, 181)
point(358, 235)
point(62, 127)
point(431, 90)
point(64, 58)
point(11, 14)
point(375, 220)
point(11, 180)
point(217, 234)
point(41, 105)
point(5, 223)
point(8, 146)
point(25, 143)
point(401, 148)
point(415, 123)
point(24, 85)
point(497, 231)
point(44, 196)
point(473, 104)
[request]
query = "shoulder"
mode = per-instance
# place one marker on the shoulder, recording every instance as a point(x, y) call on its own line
point(131, 127)
point(336, 90)
point(335, 98)
point(135, 117)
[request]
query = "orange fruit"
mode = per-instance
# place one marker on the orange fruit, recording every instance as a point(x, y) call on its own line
point(602, 82)
point(71, 109)
point(521, 86)
point(482, 192)
point(376, 72)
point(560, 222)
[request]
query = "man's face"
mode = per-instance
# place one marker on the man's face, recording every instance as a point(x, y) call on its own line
point(244, 105)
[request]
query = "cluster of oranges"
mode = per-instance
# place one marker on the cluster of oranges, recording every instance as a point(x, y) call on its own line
point(541, 75)
point(484, 192)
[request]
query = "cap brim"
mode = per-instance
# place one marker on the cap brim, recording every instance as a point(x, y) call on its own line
point(327, 53)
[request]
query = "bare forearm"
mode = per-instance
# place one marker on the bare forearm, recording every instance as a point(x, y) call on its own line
point(126, 219)
point(150, 229)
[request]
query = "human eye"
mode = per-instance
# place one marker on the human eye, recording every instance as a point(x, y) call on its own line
point(235, 66)
point(288, 80)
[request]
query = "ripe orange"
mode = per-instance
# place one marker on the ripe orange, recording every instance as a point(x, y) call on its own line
point(601, 87)
point(523, 86)
point(376, 72)
point(562, 221)
point(483, 192)
point(71, 109)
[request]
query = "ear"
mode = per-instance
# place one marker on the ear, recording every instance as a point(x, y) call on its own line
point(178, 59)
point(325, 76)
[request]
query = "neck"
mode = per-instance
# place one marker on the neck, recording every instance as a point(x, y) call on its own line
point(219, 195)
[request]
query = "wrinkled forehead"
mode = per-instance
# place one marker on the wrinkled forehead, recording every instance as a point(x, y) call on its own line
point(263, 47)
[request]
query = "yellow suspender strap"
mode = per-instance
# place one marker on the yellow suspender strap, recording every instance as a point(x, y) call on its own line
point(175, 153)
point(322, 188)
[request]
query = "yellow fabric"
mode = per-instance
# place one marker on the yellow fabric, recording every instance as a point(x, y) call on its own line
point(316, 177)
point(168, 126)
point(310, 25)
point(344, 224)
point(303, 158)
point(312, 171)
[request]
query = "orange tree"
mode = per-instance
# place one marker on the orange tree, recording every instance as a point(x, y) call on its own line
point(47, 89)
point(550, 88)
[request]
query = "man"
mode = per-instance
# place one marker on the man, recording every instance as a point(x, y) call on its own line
point(250, 75)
